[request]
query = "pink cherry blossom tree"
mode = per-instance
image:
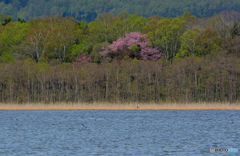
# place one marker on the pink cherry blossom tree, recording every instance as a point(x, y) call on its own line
point(133, 44)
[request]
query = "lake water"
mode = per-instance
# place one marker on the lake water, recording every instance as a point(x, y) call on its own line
point(118, 132)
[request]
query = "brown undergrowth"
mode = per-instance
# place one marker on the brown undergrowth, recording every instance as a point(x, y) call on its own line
point(117, 106)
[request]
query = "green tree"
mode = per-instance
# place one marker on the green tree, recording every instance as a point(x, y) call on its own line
point(12, 38)
point(207, 42)
point(188, 43)
point(52, 38)
point(168, 35)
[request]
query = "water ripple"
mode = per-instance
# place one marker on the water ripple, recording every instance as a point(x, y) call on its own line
point(117, 132)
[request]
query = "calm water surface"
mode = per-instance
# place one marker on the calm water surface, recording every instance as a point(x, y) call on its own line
point(118, 132)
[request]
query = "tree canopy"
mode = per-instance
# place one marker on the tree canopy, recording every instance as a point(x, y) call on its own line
point(123, 58)
point(88, 10)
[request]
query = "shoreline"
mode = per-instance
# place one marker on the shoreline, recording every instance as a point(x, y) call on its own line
point(130, 106)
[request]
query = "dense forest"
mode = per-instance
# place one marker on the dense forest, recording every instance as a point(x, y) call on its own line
point(88, 10)
point(123, 58)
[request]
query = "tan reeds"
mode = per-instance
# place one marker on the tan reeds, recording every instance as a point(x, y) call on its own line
point(116, 106)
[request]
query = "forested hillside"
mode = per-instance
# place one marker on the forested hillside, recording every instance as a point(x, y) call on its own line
point(89, 9)
point(124, 58)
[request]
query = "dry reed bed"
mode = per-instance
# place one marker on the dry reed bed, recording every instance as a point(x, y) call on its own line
point(130, 106)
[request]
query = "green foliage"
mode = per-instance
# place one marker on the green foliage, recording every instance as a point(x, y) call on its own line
point(82, 25)
point(134, 48)
point(78, 49)
point(42, 60)
point(188, 43)
point(207, 42)
point(235, 31)
point(127, 58)
point(168, 35)
point(53, 38)
point(96, 51)
point(6, 58)
point(4, 20)
point(13, 36)
point(63, 39)
point(108, 28)
point(90, 9)
point(21, 20)
point(135, 23)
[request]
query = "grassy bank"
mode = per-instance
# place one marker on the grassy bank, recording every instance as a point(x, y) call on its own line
point(130, 106)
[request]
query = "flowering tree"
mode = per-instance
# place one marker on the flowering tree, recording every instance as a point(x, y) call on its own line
point(83, 58)
point(133, 45)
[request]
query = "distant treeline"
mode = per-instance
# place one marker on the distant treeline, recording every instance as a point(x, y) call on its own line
point(88, 10)
point(213, 79)
point(124, 58)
